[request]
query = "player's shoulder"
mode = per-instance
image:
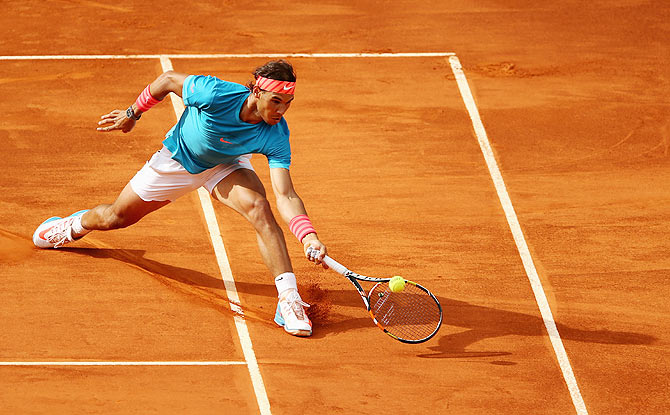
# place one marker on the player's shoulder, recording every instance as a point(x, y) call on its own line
point(213, 82)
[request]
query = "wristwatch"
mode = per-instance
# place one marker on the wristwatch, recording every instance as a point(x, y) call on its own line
point(131, 114)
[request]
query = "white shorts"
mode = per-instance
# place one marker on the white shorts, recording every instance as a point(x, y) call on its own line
point(163, 178)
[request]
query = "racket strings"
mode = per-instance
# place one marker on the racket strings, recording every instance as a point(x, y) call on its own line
point(411, 314)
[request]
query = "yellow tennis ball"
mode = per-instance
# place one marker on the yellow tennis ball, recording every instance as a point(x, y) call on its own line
point(397, 284)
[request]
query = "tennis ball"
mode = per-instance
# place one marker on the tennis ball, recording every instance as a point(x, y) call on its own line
point(397, 284)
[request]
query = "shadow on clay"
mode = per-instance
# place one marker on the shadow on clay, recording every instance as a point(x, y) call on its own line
point(479, 322)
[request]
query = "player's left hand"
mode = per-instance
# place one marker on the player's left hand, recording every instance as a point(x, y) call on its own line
point(118, 121)
point(317, 252)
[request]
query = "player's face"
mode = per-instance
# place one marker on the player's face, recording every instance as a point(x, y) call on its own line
point(272, 106)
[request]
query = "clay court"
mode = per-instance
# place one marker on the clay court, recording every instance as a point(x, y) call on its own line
point(512, 156)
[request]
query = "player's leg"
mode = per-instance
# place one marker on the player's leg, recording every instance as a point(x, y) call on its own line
point(243, 191)
point(127, 209)
point(160, 181)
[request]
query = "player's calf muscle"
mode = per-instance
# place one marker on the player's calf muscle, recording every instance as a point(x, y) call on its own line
point(104, 218)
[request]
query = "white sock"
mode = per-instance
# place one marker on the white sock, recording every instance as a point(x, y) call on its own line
point(78, 229)
point(285, 281)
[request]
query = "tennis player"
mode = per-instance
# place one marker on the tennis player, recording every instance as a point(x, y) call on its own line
point(211, 146)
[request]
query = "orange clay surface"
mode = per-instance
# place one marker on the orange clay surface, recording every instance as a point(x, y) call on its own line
point(574, 97)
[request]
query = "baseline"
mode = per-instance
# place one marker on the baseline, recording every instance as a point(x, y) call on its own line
point(232, 55)
point(111, 363)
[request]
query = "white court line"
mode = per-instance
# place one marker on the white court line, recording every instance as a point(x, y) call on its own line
point(84, 363)
point(513, 222)
point(227, 276)
point(232, 55)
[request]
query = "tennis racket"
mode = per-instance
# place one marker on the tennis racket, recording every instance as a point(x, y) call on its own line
point(412, 315)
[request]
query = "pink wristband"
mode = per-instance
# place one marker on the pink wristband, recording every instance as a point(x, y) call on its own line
point(145, 101)
point(301, 226)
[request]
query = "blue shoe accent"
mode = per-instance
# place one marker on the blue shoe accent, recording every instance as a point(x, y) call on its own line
point(79, 213)
point(51, 219)
point(278, 317)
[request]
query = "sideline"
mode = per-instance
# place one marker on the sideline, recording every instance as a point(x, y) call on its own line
point(227, 276)
point(519, 239)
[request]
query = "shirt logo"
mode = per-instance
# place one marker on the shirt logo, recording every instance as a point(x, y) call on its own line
point(225, 141)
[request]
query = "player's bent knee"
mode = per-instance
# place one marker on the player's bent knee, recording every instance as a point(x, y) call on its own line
point(260, 213)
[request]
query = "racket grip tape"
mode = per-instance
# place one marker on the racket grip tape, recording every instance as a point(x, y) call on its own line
point(335, 266)
point(332, 264)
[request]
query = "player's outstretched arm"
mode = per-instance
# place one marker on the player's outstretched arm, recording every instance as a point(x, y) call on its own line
point(166, 82)
point(292, 211)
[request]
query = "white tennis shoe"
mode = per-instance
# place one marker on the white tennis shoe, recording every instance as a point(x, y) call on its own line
point(291, 315)
point(55, 231)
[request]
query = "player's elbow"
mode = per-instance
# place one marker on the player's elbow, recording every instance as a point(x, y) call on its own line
point(170, 81)
point(286, 200)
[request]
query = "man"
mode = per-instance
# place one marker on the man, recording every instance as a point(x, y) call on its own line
point(211, 146)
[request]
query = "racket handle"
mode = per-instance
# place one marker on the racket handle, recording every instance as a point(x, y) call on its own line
point(332, 264)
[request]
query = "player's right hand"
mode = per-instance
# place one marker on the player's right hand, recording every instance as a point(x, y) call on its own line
point(118, 121)
point(315, 250)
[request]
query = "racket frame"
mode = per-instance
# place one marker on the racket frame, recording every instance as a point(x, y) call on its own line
point(354, 278)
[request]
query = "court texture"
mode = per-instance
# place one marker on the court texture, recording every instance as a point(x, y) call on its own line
point(512, 156)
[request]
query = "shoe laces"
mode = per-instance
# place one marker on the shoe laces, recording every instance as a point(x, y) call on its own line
point(58, 235)
point(296, 304)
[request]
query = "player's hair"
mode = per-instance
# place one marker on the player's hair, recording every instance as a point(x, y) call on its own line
point(280, 70)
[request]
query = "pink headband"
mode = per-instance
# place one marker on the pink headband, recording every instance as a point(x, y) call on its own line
point(273, 85)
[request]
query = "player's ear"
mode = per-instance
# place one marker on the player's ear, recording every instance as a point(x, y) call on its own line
point(257, 91)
